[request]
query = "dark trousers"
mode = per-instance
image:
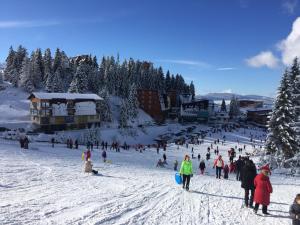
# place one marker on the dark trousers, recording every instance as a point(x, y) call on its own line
point(218, 172)
point(264, 208)
point(186, 180)
point(238, 175)
point(247, 192)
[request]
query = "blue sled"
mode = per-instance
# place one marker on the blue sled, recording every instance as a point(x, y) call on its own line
point(178, 178)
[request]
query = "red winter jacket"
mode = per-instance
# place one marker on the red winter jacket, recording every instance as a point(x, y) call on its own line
point(216, 162)
point(263, 189)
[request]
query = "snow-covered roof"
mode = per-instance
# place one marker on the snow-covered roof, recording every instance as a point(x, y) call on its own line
point(68, 96)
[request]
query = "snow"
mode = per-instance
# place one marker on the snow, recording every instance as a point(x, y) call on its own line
point(45, 185)
point(68, 96)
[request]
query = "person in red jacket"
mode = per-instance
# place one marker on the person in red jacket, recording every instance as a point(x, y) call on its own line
point(263, 190)
point(88, 155)
point(219, 165)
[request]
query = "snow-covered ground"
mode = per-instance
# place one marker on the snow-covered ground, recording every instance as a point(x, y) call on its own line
point(45, 185)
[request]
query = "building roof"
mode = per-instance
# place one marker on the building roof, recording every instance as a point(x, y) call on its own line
point(68, 96)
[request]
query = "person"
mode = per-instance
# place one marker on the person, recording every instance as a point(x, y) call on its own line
point(199, 157)
point(157, 149)
point(165, 158)
point(52, 142)
point(186, 171)
point(71, 144)
point(248, 174)
point(175, 165)
point(207, 156)
point(219, 165)
point(104, 155)
point(239, 165)
point(89, 167)
point(232, 167)
point(88, 155)
point(202, 167)
point(226, 171)
point(160, 163)
point(295, 210)
point(76, 144)
point(26, 142)
point(263, 190)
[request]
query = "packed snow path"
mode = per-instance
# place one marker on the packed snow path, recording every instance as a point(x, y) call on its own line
point(45, 185)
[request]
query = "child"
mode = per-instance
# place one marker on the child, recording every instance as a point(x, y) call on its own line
point(202, 167)
point(226, 171)
point(295, 210)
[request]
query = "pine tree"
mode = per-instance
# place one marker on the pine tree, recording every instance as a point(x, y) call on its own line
point(47, 60)
point(123, 115)
point(192, 90)
point(132, 104)
point(9, 64)
point(223, 106)
point(234, 109)
point(1, 78)
point(57, 85)
point(105, 113)
point(295, 92)
point(26, 78)
point(37, 68)
point(79, 83)
point(168, 81)
point(281, 136)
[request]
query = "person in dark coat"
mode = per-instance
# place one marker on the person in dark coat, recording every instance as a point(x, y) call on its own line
point(239, 165)
point(26, 142)
point(165, 158)
point(76, 144)
point(104, 155)
point(202, 167)
point(263, 190)
point(248, 174)
point(295, 210)
point(226, 171)
point(52, 142)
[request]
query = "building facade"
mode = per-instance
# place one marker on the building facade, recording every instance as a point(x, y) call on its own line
point(61, 111)
point(259, 116)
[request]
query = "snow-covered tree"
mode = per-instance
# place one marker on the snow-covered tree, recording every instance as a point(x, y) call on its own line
point(79, 83)
point(223, 106)
point(132, 102)
point(192, 90)
point(37, 68)
point(26, 79)
point(47, 60)
point(234, 108)
point(105, 113)
point(1, 78)
point(57, 85)
point(9, 64)
point(123, 115)
point(281, 136)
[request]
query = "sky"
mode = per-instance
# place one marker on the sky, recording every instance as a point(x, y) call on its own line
point(232, 46)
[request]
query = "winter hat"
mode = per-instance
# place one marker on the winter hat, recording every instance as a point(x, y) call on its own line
point(266, 167)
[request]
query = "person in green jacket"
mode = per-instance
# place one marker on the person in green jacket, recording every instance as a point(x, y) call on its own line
point(186, 171)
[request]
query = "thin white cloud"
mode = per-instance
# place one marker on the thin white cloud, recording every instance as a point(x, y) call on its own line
point(186, 62)
point(265, 58)
point(28, 24)
point(227, 91)
point(289, 6)
point(226, 68)
point(290, 46)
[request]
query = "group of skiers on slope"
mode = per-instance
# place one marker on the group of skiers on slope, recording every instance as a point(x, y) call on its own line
point(257, 187)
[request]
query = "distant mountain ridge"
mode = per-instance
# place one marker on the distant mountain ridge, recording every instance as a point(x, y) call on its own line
point(229, 96)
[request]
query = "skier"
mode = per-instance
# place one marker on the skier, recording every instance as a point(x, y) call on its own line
point(186, 171)
point(104, 155)
point(219, 165)
point(248, 174)
point(202, 167)
point(157, 149)
point(239, 165)
point(295, 210)
point(226, 171)
point(160, 163)
point(26, 142)
point(175, 165)
point(263, 190)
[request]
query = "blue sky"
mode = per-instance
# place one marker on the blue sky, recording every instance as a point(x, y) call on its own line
point(239, 46)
